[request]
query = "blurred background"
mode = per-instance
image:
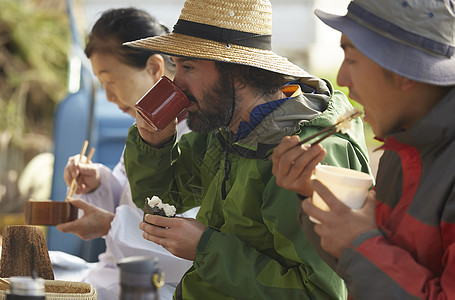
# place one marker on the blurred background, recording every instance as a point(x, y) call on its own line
point(50, 102)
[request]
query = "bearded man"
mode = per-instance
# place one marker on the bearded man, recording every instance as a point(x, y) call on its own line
point(245, 242)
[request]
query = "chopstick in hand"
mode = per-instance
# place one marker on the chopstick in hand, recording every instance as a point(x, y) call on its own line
point(74, 184)
point(331, 129)
point(4, 282)
point(76, 180)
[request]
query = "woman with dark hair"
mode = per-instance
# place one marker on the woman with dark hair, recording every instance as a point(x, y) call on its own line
point(104, 195)
point(117, 66)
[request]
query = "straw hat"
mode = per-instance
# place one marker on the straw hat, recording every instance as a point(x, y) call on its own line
point(412, 38)
point(237, 31)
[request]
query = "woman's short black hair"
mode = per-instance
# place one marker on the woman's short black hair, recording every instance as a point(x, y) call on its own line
point(116, 26)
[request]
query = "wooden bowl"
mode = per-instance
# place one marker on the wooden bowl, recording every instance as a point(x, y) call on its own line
point(49, 212)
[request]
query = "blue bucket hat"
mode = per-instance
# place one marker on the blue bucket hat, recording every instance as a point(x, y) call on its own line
point(412, 38)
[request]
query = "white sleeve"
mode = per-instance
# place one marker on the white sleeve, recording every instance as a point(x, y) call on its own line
point(107, 196)
point(125, 239)
point(182, 128)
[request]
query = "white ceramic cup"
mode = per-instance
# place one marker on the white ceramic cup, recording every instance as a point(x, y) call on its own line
point(349, 186)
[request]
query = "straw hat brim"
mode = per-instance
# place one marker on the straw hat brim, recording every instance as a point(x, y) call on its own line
point(188, 46)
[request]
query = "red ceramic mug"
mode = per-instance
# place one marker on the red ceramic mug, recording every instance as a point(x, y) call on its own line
point(162, 104)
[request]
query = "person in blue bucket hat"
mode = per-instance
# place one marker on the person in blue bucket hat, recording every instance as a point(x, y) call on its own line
point(399, 64)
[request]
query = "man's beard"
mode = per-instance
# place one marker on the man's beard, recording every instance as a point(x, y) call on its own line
point(218, 107)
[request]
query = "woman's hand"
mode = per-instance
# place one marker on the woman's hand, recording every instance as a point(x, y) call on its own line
point(95, 222)
point(89, 177)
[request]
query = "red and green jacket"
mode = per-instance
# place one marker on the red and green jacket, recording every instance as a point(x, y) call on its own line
point(412, 253)
point(253, 247)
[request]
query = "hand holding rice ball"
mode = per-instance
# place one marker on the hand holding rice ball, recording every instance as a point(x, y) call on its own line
point(155, 206)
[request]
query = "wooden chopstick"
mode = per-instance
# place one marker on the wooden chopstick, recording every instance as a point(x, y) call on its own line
point(83, 150)
point(73, 182)
point(4, 281)
point(324, 137)
point(89, 157)
point(330, 130)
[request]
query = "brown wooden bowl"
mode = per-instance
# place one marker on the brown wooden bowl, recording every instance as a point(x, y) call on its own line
point(47, 212)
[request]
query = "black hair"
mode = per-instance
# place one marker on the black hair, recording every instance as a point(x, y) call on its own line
point(263, 81)
point(117, 26)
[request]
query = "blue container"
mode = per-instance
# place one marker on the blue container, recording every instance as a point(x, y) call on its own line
point(85, 115)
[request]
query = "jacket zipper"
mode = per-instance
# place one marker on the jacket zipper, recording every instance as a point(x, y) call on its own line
point(227, 170)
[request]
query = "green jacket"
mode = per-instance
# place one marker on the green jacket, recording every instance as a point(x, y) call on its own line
point(253, 247)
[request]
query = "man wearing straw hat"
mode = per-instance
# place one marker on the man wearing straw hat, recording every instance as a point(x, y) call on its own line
point(400, 65)
point(246, 242)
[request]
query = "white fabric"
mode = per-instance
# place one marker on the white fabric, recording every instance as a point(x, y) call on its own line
point(125, 238)
point(102, 276)
point(69, 267)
